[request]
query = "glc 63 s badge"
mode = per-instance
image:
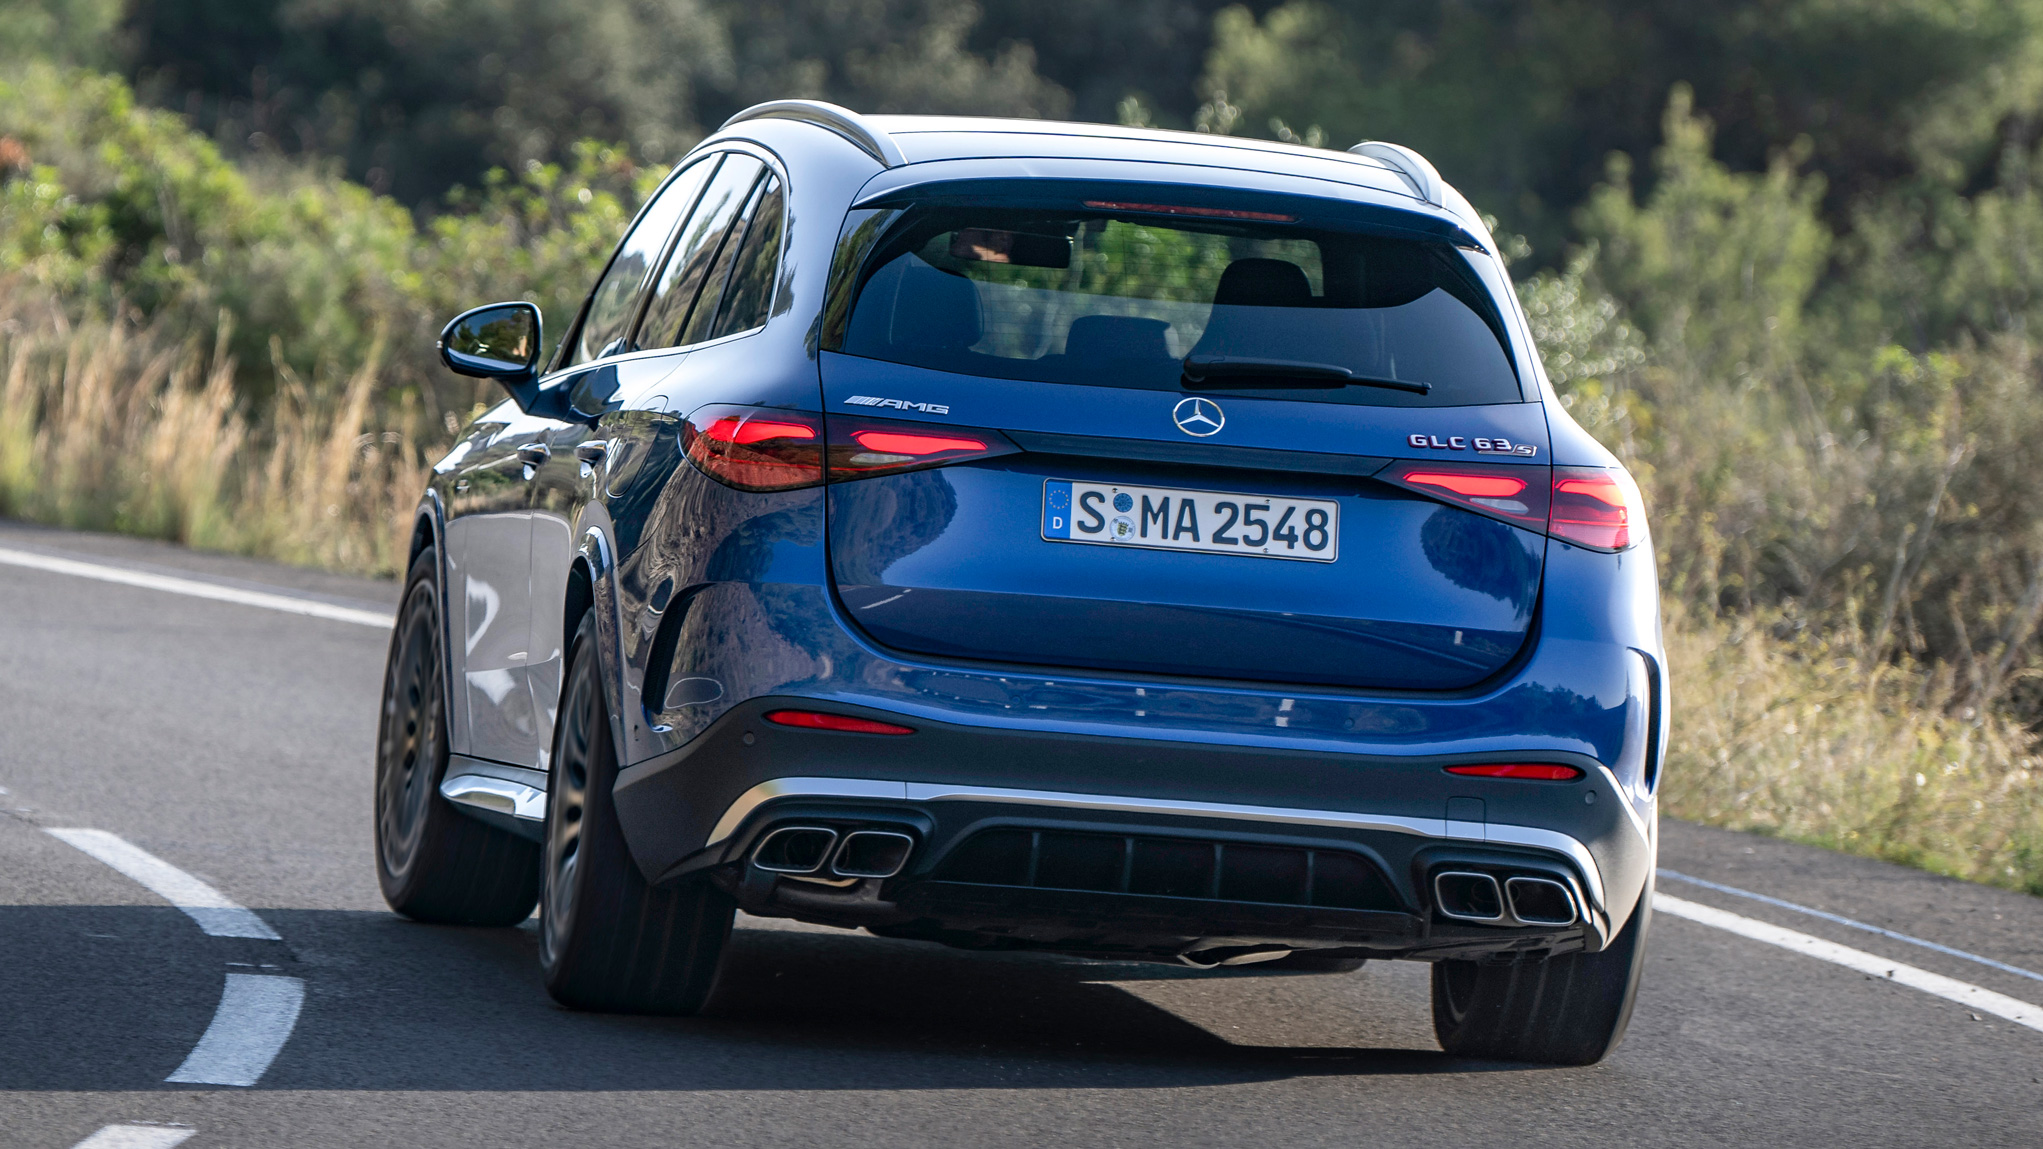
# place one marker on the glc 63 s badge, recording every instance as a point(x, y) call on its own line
point(1481, 446)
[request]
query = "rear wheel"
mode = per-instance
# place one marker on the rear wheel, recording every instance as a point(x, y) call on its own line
point(609, 940)
point(1565, 1010)
point(434, 863)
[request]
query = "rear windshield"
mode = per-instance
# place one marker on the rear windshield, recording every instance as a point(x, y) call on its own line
point(1139, 298)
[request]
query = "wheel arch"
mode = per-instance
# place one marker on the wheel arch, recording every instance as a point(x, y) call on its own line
point(591, 590)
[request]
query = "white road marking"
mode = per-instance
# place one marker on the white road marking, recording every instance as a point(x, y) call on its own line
point(289, 604)
point(1840, 919)
point(256, 1015)
point(1950, 989)
point(137, 1137)
point(214, 911)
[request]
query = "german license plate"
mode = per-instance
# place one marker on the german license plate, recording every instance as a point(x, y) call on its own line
point(1210, 522)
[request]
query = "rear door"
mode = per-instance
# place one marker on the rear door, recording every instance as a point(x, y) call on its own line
point(1278, 519)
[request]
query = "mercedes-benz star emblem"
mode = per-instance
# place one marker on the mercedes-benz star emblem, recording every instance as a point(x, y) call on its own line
point(1198, 417)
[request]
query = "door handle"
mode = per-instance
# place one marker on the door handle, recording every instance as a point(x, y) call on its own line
point(592, 452)
point(534, 454)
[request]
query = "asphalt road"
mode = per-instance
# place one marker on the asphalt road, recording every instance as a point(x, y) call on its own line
point(233, 743)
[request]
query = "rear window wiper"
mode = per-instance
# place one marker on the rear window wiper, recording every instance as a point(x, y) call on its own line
point(1236, 372)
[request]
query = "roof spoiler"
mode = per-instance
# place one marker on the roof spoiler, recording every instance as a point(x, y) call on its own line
point(1405, 162)
point(830, 117)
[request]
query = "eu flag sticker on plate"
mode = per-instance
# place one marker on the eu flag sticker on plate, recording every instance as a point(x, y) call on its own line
point(1056, 509)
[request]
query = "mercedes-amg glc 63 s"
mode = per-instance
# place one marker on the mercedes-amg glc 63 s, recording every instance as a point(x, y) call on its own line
point(1023, 535)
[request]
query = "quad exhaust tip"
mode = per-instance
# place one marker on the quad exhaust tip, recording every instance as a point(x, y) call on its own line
point(872, 854)
point(808, 849)
point(1467, 896)
point(795, 849)
point(1471, 896)
point(1541, 901)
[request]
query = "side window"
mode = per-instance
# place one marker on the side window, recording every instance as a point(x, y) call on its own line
point(695, 253)
point(615, 299)
point(702, 317)
point(750, 295)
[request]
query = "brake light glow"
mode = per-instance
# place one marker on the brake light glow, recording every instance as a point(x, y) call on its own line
point(734, 429)
point(1515, 494)
point(904, 443)
point(1182, 209)
point(1536, 771)
point(1594, 508)
point(754, 450)
point(1585, 506)
point(861, 448)
point(823, 720)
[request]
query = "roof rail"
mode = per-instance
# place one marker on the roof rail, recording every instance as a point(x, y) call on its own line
point(1407, 163)
point(842, 121)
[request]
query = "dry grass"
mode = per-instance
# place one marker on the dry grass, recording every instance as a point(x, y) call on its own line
point(104, 426)
point(1800, 737)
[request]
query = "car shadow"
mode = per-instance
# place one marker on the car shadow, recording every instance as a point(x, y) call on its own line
point(396, 1005)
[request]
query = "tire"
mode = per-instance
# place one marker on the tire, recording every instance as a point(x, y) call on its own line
point(434, 863)
point(1566, 1010)
point(609, 940)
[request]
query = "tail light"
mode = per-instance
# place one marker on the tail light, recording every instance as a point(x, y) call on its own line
point(1518, 495)
point(1537, 771)
point(1586, 506)
point(861, 448)
point(755, 448)
point(1596, 508)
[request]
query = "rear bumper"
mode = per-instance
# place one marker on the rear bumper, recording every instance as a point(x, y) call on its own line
point(704, 807)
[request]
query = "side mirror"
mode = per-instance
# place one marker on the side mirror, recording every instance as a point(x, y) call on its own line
point(500, 342)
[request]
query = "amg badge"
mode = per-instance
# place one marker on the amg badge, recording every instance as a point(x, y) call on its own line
point(897, 404)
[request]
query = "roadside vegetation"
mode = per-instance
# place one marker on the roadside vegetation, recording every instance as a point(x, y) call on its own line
point(1785, 263)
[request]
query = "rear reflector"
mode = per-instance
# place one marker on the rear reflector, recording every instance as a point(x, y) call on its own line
point(1538, 771)
point(823, 720)
point(755, 449)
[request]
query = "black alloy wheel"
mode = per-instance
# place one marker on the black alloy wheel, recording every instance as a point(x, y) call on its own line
point(434, 863)
point(608, 939)
point(1566, 1010)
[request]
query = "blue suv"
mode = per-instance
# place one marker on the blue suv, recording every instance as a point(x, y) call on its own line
point(1022, 535)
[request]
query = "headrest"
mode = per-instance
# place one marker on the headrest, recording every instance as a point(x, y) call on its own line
point(1116, 337)
point(935, 309)
point(1263, 283)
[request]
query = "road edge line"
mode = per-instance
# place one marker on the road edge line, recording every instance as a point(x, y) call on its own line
point(1935, 984)
point(1840, 919)
point(194, 588)
point(255, 1018)
point(217, 914)
point(137, 1135)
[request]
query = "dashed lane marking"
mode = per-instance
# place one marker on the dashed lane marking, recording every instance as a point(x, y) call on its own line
point(1840, 919)
point(214, 911)
point(1950, 989)
point(137, 1136)
point(256, 1015)
point(289, 604)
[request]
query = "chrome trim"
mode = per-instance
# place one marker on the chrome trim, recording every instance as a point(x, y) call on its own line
point(1440, 900)
point(1549, 840)
point(843, 121)
point(496, 795)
